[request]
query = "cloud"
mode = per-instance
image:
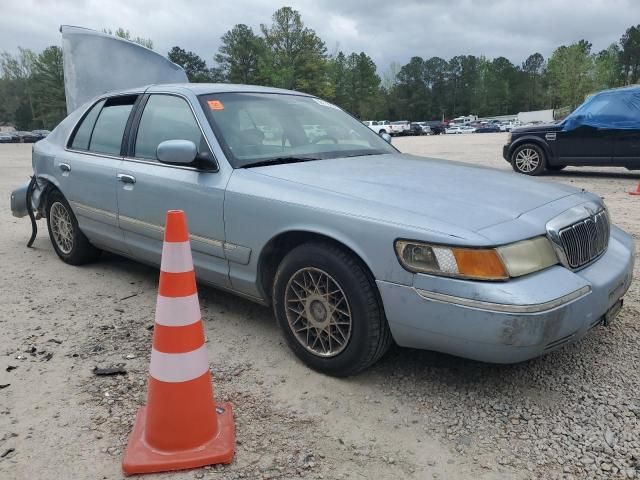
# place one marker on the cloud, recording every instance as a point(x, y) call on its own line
point(387, 31)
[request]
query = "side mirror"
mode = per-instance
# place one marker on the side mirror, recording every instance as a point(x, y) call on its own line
point(386, 137)
point(180, 152)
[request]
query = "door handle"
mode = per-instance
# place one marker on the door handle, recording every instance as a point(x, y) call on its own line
point(124, 178)
point(65, 167)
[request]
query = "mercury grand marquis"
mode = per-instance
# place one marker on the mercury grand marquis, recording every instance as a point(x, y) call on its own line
point(295, 204)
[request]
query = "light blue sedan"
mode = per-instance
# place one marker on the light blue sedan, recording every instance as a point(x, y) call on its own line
point(293, 203)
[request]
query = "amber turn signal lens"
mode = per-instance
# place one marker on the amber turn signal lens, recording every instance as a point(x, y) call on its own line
point(485, 264)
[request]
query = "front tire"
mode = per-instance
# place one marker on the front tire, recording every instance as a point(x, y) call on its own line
point(329, 309)
point(71, 245)
point(528, 159)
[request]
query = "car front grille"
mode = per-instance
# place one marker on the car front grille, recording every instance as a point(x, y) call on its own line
point(585, 240)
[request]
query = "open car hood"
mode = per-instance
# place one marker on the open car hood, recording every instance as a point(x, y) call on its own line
point(95, 63)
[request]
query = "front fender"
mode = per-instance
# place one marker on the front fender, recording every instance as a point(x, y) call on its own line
point(530, 139)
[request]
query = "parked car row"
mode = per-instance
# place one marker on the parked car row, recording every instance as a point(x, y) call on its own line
point(404, 127)
point(435, 127)
point(23, 137)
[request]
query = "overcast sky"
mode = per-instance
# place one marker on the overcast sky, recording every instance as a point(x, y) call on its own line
point(389, 31)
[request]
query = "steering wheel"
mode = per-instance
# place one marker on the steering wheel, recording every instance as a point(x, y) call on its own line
point(325, 137)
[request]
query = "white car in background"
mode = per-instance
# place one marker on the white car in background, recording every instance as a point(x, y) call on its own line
point(400, 127)
point(460, 129)
point(378, 127)
point(506, 127)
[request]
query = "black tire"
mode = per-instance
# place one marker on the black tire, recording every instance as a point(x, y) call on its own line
point(369, 338)
point(528, 150)
point(382, 132)
point(556, 168)
point(80, 250)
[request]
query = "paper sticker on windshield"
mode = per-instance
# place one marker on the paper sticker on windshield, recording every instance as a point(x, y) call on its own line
point(215, 105)
point(325, 104)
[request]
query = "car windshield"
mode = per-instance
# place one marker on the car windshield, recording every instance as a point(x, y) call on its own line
point(262, 128)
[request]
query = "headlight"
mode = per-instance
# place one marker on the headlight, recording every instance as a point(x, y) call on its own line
point(499, 263)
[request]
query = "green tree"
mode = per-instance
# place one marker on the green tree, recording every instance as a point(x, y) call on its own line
point(47, 86)
point(296, 56)
point(339, 77)
point(411, 92)
point(240, 55)
point(194, 66)
point(502, 79)
point(122, 33)
point(630, 55)
point(608, 69)
point(435, 72)
point(533, 68)
point(16, 98)
point(570, 74)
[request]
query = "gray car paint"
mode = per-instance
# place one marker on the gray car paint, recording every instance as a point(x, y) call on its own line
point(96, 62)
point(365, 203)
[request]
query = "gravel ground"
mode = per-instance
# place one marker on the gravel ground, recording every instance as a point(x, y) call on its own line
point(572, 414)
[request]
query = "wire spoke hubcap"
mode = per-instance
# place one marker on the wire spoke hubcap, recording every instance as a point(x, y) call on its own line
point(527, 160)
point(61, 227)
point(318, 312)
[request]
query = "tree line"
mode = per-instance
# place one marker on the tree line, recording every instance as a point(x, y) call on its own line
point(286, 53)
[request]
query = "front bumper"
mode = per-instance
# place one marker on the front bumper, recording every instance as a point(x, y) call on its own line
point(512, 321)
point(505, 152)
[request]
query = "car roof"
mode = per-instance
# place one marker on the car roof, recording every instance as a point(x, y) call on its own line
point(620, 89)
point(212, 88)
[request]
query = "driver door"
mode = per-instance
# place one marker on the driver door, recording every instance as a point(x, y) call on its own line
point(147, 189)
point(584, 145)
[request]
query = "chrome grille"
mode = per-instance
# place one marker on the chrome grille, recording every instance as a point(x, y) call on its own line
point(585, 240)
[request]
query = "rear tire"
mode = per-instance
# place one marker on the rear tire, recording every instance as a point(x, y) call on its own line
point(71, 245)
point(528, 159)
point(329, 309)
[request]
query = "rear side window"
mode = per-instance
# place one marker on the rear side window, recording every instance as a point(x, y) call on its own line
point(166, 117)
point(112, 121)
point(83, 133)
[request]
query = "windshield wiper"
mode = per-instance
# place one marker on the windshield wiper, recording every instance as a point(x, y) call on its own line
point(280, 161)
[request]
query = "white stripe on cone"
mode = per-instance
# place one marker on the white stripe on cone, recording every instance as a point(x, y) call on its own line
point(179, 367)
point(176, 257)
point(177, 311)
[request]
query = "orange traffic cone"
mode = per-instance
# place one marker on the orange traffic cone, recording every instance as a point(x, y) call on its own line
point(181, 426)
point(636, 192)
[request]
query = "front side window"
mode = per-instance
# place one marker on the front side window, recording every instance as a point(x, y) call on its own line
point(112, 121)
point(83, 132)
point(259, 128)
point(166, 117)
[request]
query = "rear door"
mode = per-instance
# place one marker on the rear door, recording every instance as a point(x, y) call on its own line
point(623, 114)
point(88, 167)
point(147, 188)
point(626, 148)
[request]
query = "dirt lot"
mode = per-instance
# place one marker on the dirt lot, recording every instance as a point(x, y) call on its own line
point(572, 414)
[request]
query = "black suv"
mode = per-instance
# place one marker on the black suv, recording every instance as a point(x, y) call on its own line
point(603, 131)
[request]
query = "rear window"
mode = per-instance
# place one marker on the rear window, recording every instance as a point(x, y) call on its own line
point(83, 133)
point(109, 128)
